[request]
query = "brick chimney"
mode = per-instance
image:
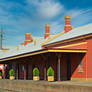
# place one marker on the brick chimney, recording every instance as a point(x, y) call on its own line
point(47, 31)
point(68, 26)
point(27, 38)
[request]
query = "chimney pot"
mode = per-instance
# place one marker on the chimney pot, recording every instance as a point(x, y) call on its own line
point(27, 38)
point(68, 26)
point(47, 31)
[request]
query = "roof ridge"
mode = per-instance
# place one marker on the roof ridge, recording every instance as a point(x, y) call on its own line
point(51, 38)
point(81, 26)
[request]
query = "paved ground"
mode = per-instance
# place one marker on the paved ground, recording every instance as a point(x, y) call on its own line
point(44, 86)
point(73, 83)
point(82, 83)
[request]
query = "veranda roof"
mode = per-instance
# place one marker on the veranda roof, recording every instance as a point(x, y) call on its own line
point(23, 49)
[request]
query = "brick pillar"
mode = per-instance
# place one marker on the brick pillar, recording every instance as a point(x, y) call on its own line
point(17, 71)
point(59, 69)
point(45, 73)
point(25, 72)
point(3, 72)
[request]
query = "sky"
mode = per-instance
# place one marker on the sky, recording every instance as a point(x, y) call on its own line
point(20, 16)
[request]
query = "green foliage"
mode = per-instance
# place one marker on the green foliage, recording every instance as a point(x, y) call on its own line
point(35, 72)
point(11, 72)
point(0, 74)
point(50, 72)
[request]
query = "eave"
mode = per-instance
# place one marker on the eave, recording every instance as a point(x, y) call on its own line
point(69, 40)
point(40, 52)
point(24, 55)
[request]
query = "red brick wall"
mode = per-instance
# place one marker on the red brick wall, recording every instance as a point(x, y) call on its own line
point(75, 67)
point(63, 67)
point(53, 64)
point(30, 72)
point(89, 58)
point(40, 63)
point(21, 72)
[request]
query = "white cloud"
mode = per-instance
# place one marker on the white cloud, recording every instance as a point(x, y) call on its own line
point(80, 17)
point(50, 10)
point(78, 12)
point(46, 8)
point(35, 14)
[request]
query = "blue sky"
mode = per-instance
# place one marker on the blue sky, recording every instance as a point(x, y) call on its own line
point(20, 16)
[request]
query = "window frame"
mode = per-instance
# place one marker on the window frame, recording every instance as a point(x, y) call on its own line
point(80, 66)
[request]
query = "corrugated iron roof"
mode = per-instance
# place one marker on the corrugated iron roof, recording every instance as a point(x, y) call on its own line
point(18, 50)
point(83, 30)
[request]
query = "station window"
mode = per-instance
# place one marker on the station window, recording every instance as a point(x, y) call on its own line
point(80, 63)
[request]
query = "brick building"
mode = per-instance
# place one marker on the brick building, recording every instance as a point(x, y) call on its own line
point(69, 53)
